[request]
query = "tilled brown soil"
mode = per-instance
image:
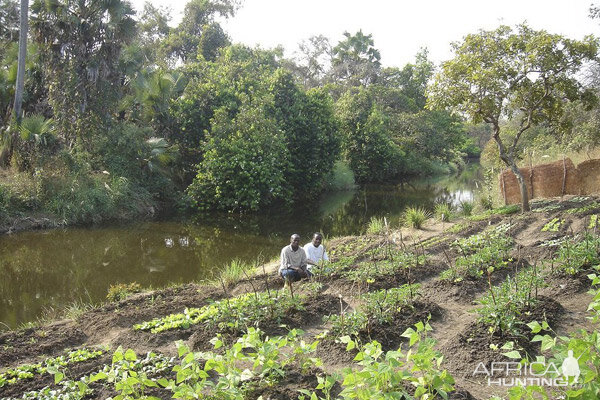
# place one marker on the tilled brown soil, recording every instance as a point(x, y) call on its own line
point(461, 338)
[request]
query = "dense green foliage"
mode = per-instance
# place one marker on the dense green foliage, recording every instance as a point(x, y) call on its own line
point(180, 115)
point(259, 140)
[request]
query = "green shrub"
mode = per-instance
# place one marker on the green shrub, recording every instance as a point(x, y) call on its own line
point(415, 217)
point(443, 211)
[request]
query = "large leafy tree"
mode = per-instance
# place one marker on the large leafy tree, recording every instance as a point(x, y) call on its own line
point(355, 60)
point(520, 74)
point(366, 141)
point(198, 32)
point(244, 162)
point(243, 112)
point(81, 42)
point(313, 61)
point(310, 130)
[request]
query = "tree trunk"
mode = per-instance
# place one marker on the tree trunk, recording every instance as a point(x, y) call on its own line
point(522, 185)
point(23, 28)
point(509, 160)
point(7, 152)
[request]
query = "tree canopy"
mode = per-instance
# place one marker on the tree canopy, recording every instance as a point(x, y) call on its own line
point(519, 74)
point(180, 115)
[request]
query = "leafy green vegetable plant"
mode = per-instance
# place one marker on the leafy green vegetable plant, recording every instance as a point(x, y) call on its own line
point(553, 225)
point(583, 346)
point(389, 375)
point(479, 252)
point(383, 305)
point(234, 314)
point(576, 254)
point(28, 371)
point(503, 305)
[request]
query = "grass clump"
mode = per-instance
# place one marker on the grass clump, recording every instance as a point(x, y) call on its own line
point(415, 217)
point(121, 291)
point(486, 202)
point(233, 272)
point(377, 226)
point(443, 212)
point(466, 208)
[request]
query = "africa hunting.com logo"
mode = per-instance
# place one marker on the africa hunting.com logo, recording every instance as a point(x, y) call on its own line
point(508, 374)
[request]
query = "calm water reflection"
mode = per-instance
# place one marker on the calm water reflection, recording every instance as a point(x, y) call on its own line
point(50, 269)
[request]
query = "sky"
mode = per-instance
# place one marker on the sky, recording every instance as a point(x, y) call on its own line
point(399, 28)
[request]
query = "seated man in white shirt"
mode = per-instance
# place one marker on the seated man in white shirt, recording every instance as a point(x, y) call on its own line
point(315, 252)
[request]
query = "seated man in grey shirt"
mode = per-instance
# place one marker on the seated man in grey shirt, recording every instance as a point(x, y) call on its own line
point(293, 261)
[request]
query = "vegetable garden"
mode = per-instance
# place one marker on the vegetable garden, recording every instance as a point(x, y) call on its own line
point(392, 316)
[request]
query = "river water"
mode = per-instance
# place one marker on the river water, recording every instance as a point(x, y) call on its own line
point(41, 271)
